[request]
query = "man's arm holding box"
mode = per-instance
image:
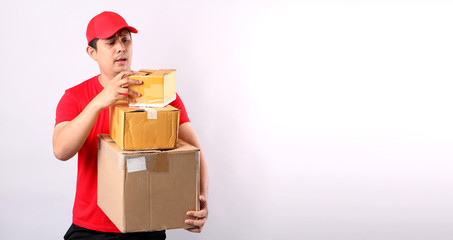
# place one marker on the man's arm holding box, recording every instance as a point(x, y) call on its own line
point(69, 136)
point(187, 134)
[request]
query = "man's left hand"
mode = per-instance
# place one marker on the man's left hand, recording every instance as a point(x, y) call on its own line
point(200, 216)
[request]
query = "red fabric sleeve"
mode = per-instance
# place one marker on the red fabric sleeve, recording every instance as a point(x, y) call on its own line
point(177, 103)
point(67, 108)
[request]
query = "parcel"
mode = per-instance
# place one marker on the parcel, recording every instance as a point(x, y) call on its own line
point(148, 190)
point(149, 128)
point(158, 88)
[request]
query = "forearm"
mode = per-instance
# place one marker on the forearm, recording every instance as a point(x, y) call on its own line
point(69, 137)
point(187, 134)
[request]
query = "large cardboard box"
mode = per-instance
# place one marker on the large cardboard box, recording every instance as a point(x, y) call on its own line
point(158, 88)
point(148, 190)
point(150, 128)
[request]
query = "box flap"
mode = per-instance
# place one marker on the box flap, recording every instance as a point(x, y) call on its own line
point(183, 146)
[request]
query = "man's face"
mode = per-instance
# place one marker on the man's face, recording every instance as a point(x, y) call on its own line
point(114, 54)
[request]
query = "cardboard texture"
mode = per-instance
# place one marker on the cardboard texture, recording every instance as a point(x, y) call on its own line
point(143, 129)
point(158, 88)
point(148, 190)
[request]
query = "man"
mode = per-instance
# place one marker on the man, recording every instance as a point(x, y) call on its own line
point(82, 114)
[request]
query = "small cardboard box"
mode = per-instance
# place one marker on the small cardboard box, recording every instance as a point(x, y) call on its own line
point(148, 190)
point(149, 128)
point(158, 88)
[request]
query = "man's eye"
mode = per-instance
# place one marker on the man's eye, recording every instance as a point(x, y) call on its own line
point(125, 40)
point(111, 42)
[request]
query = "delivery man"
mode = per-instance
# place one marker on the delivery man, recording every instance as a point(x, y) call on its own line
point(82, 114)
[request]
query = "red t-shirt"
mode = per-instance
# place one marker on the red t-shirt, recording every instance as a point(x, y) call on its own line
point(86, 212)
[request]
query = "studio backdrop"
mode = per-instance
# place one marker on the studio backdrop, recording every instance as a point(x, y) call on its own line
point(318, 119)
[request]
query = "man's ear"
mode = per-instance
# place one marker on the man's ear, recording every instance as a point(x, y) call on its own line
point(92, 52)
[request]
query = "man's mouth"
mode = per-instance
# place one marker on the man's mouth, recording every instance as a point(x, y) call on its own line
point(121, 60)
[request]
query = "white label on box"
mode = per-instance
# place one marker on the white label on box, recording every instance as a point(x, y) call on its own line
point(136, 164)
point(151, 113)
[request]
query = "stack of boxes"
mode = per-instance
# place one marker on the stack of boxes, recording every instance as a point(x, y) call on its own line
point(147, 178)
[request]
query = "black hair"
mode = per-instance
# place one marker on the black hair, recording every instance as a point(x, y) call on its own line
point(93, 43)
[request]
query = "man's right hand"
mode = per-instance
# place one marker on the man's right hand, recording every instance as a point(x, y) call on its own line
point(117, 89)
point(69, 136)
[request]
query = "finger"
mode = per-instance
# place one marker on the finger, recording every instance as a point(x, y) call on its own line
point(198, 214)
point(196, 223)
point(122, 97)
point(195, 230)
point(134, 81)
point(122, 91)
point(127, 73)
point(124, 74)
point(133, 93)
point(124, 82)
point(131, 100)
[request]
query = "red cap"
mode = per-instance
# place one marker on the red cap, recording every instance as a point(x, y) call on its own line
point(105, 24)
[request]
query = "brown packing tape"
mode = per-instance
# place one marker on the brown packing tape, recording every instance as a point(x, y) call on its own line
point(157, 163)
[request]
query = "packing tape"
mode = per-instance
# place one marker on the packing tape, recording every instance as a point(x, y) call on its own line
point(197, 156)
point(136, 164)
point(151, 113)
point(159, 163)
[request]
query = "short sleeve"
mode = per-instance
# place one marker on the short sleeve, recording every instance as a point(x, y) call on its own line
point(177, 103)
point(67, 108)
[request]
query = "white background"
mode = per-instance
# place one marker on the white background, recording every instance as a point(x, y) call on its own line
point(319, 119)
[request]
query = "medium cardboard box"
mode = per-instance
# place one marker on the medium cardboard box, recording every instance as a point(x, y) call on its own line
point(149, 128)
point(158, 88)
point(148, 190)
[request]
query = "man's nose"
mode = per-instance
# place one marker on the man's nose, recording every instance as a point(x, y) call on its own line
point(120, 46)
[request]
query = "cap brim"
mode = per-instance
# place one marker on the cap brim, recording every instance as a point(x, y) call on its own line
point(106, 35)
point(132, 29)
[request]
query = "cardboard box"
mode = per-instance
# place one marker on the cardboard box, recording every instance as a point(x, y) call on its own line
point(149, 128)
point(148, 190)
point(158, 88)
